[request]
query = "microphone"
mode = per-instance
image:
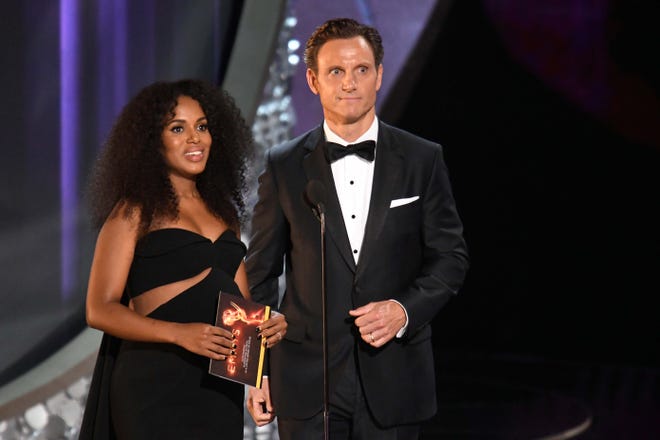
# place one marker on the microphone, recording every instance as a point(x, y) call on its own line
point(315, 196)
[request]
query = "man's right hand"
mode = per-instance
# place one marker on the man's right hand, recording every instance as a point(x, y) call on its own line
point(258, 404)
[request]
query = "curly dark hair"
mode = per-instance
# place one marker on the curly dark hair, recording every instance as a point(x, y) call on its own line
point(342, 28)
point(131, 170)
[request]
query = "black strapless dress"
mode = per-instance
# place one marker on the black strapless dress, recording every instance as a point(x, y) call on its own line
point(161, 391)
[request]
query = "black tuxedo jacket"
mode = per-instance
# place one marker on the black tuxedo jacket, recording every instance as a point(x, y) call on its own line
point(413, 251)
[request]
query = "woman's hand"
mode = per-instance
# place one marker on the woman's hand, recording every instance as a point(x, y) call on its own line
point(206, 340)
point(273, 330)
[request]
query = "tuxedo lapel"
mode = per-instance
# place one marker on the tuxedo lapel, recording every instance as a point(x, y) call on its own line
point(317, 168)
point(389, 160)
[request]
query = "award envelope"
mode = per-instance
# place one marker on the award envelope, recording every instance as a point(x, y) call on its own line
point(241, 317)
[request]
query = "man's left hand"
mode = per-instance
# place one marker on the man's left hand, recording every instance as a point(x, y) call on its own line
point(379, 322)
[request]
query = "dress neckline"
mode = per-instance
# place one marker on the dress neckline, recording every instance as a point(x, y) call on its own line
point(223, 233)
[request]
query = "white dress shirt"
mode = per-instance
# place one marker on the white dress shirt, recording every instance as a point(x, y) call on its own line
point(353, 178)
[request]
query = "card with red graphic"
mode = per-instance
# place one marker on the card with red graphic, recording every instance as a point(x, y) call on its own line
point(242, 317)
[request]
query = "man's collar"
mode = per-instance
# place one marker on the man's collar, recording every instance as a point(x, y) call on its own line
point(370, 135)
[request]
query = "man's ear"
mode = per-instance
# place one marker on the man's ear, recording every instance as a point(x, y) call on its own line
point(379, 80)
point(311, 81)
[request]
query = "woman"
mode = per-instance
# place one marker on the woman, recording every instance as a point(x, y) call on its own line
point(167, 193)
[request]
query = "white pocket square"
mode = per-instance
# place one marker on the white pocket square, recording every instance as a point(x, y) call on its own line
point(398, 202)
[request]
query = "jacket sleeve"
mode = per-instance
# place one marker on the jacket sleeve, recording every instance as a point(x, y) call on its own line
point(267, 243)
point(445, 258)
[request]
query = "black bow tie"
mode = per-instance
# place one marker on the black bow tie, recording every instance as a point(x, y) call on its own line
point(364, 149)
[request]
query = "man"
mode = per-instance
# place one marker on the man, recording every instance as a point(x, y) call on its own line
point(394, 256)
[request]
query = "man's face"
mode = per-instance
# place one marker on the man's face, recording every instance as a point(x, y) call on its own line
point(347, 80)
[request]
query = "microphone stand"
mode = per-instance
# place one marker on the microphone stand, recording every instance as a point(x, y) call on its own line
point(326, 400)
point(315, 195)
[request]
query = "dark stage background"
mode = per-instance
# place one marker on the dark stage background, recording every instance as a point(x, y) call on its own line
point(550, 119)
point(552, 138)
